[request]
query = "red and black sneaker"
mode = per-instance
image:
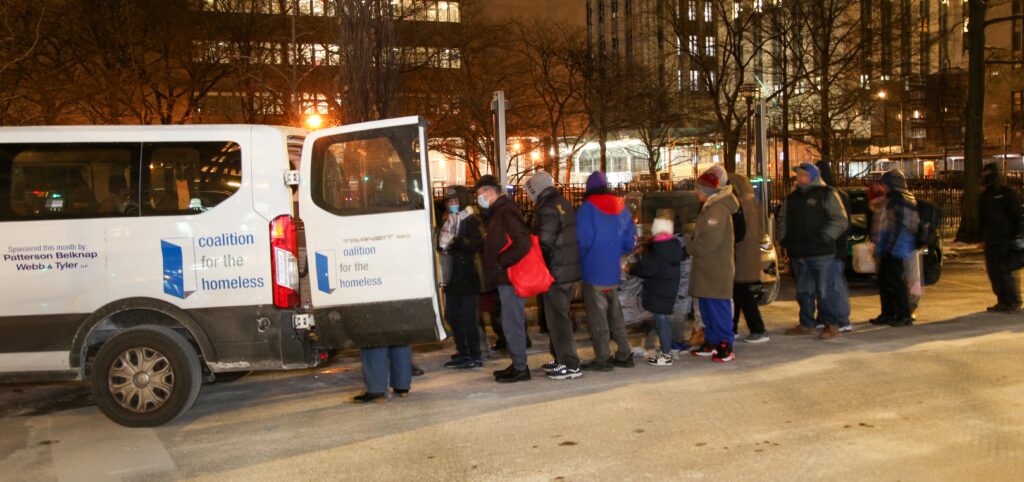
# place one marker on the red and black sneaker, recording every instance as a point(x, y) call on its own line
point(723, 353)
point(705, 350)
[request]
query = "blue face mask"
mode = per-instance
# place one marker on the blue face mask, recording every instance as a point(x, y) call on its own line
point(453, 208)
point(482, 201)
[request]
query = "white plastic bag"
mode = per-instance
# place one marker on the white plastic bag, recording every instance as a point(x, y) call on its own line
point(864, 258)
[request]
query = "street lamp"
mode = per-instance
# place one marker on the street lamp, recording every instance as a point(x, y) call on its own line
point(748, 90)
point(883, 96)
point(314, 121)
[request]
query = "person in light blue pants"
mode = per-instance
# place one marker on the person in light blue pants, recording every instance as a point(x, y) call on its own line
point(382, 365)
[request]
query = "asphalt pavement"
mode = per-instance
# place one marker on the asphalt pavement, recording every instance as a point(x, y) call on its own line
point(943, 400)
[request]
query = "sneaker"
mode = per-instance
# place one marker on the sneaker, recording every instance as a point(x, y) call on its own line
point(662, 360)
point(829, 332)
point(513, 376)
point(470, 365)
point(678, 349)
point(550, 366)
point(627, 363)
point(819, 326)
point(562, 372)
point(370, 397)
point(455, 362)
point(723, 354)
point(594, 365)
point(757, 338)
point(402, 393)
point(801, 330)
point(417, 371)
point(705, 350)
point(846, 329)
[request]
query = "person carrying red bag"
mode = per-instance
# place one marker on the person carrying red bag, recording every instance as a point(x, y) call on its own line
point(506, 242)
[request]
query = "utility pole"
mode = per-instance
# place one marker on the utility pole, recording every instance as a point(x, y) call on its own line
point(498, 107)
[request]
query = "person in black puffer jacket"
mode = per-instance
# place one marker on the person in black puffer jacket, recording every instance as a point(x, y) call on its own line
point(554, 223)
point(660, 269)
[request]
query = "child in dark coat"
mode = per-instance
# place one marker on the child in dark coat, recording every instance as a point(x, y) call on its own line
point(659, 267)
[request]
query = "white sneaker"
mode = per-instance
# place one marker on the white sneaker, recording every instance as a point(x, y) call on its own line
point(662, 360)
point(846, 329)
point(819, 326)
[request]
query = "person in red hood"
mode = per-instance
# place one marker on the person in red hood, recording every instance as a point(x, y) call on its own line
point(605, 230)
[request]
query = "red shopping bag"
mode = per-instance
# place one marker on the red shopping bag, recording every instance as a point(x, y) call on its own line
point(530, 276)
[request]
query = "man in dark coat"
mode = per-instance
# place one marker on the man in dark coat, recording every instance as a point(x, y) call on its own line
point(554, 223)
point(506, 242)
point(1000, 216)
point(461, 237)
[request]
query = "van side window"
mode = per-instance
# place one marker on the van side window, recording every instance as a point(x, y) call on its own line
point(188, 177)
point(368, 172)
point(68, 180)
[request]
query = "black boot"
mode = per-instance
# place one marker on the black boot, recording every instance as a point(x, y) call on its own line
point(508, 369)
point(513, 376)
point(370, 397)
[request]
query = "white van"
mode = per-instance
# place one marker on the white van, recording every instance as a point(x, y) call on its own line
point(147, 259)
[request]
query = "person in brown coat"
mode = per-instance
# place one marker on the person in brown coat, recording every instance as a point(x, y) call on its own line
point(748, 262)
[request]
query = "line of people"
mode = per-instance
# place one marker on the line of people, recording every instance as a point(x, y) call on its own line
point(481, 238)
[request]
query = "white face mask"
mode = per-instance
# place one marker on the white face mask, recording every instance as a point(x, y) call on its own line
point(482, 201)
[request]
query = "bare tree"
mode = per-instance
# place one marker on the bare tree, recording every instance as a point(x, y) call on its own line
point(655, 109)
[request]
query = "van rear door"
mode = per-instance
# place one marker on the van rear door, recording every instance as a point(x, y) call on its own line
point(365, 201)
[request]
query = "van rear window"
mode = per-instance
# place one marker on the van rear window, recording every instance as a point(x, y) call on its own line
point(368, 172)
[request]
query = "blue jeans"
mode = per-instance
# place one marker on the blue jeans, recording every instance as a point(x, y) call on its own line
point(662, 323)
point(513, 324)
point(839, 297)
point(717, 317)
point(379, 362)
point(813, 289)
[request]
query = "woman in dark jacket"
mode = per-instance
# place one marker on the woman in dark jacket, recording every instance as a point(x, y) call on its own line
point(461, 237)
point(660, 269)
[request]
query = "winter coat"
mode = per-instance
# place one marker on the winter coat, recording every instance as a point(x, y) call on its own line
point(897, 236)
point(748, 251)
point(468, 243)
point(604, 227)
point(712, 247)
point(503, 222)
point(812, 218)
point(554, 223)
point(659, 267)
point(999, 211)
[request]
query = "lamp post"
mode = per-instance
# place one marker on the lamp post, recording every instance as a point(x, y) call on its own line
point(1006, 141)
point(748, 90)
point(883, 95)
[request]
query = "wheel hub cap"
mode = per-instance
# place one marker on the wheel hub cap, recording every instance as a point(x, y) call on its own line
point(141, 379)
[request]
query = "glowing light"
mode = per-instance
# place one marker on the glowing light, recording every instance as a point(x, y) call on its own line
point(314, 121)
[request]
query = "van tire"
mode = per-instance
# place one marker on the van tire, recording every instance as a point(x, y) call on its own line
point(769, 295)
point(171, 357)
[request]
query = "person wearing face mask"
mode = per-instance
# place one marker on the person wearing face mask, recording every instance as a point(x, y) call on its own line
point(999, 212)
point(506, 242)
point(461, 238)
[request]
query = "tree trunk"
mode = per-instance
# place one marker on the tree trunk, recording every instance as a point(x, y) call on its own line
point(785, 137)
point(731, 144)
point(970, 230)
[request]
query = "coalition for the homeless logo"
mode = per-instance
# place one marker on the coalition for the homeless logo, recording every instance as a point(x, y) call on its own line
point(179, 256)
point(351, 271)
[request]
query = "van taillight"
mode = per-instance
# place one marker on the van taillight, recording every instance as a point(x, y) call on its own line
point(284, 262)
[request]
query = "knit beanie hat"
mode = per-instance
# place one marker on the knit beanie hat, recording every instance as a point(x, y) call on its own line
point(538, 183)
point(664, 222)
point(810, 169)
point(708, 183)
point(596, 180)
point(721, 173)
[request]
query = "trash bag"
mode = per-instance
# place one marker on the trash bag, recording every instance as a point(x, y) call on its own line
point(864, 258)
point(633, 311)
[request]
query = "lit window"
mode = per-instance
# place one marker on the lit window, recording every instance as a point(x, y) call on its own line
point(693, 45)
point(709, 43)
point(691, 10)
point(707, 10)
point(694, 80)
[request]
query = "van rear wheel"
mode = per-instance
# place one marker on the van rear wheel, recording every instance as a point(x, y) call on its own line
point(145, 376)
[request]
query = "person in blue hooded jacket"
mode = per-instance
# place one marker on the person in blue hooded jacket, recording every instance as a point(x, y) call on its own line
point(605, 230)
point(897, 241)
